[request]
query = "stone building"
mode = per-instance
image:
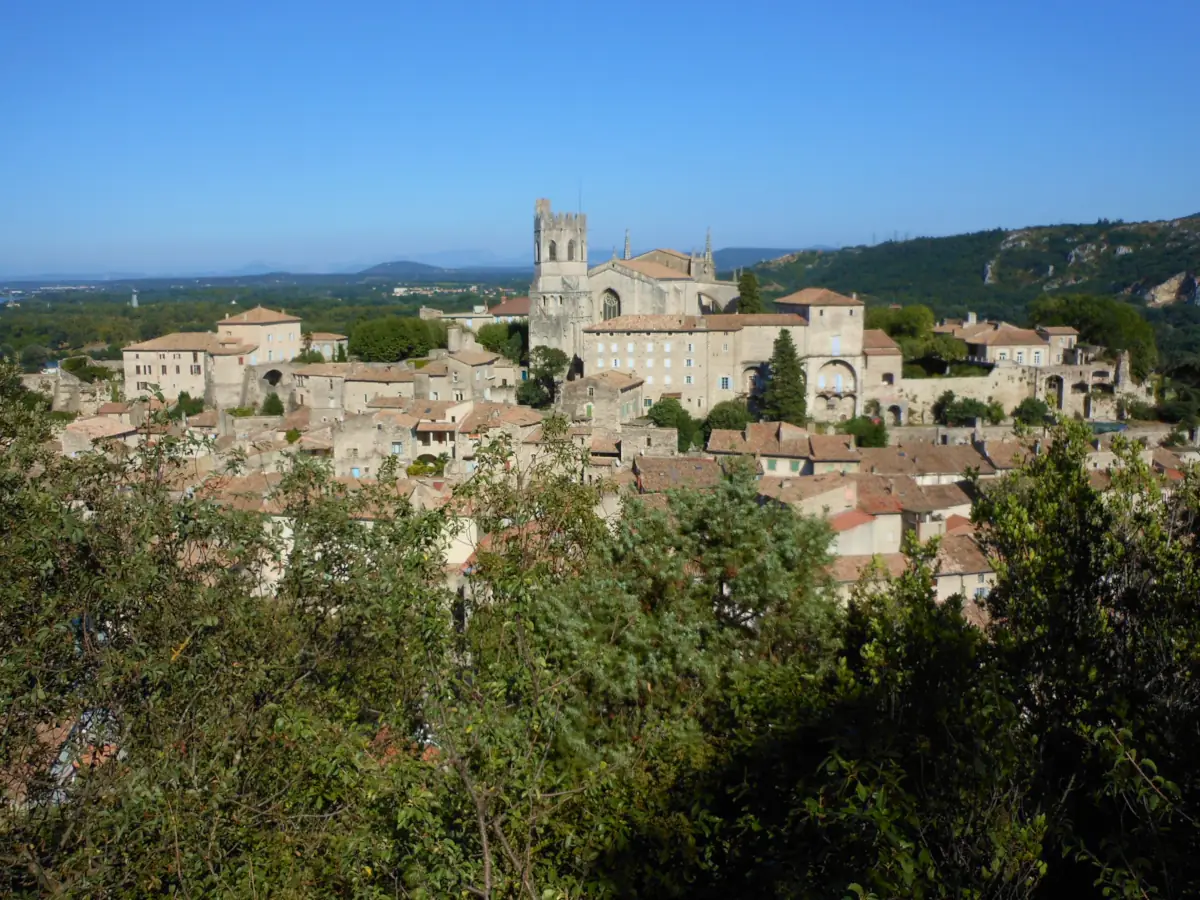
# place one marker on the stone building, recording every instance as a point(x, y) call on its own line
point(275, 335)
point(202, 364)
point(608, 397)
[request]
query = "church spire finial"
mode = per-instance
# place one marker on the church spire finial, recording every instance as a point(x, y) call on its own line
point(708, 257)
point(628, 252)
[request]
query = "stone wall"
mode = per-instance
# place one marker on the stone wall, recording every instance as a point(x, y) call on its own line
point(1007, 384)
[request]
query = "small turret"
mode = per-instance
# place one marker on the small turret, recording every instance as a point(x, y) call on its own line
point(628, 250)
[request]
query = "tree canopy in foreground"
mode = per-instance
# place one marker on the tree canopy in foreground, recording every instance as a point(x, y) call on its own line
point(671, 704)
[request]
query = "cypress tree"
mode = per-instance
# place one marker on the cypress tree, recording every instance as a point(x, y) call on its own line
point(749, 299)
point(783, 400)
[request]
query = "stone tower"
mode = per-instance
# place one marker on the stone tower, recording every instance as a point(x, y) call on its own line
point(560, 300)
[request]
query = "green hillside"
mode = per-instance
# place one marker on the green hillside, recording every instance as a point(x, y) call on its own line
point(998, 273)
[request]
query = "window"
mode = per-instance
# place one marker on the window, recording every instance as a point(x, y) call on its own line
point(355, 473)
point(982, 579)
point(164, 370)
point(980, 593)
point(177, 370)
point(666, 379)
point(629, 347)
point(291, 336)
point(690, 348)
point(241, 360)
point(650, 364)
point(821, 312)
point(354, 451)
point(1004, 354)
point(725, 348)
point(795, 465)
point(649, 379)
point(552, 254)
point(458, 395)
point(687, 379)
point(1037, 357)
point(836, 345)
point(647, 403)
point(770, 465)
point(616, 363)
point(889, 378)
point(687, 363)
point(667, 347)
point(397, 448)
point(613, 347)
point(570, 251)
point(195, 356)
point(821, 380)
point(629, 363)
point(591, 392)
point(599, 364)
point(195, 370)
point(587, 410)
point(649, 346)
point(666, 364)
point(1020, 356)
point(270, 338)
point(726, 382)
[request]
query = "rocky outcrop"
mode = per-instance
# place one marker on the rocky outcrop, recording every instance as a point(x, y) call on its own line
point(1179, 288)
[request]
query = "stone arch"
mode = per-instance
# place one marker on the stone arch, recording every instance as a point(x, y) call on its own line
point(752, 379)
point(836, 378)
point(895, 415)
point(272, 377)
point(610, 304)
point(1056, 391)
point(552, 252)
point(571, 251)
point(537, 252)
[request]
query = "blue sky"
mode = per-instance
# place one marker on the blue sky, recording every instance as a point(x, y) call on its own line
point(152, 136)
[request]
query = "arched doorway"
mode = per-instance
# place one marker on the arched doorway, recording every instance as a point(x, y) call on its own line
point(895, 415)
point(610, 304)
point(753, 380)
point(1055, 388)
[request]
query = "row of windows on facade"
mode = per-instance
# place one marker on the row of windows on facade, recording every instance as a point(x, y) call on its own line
point(270, 337)
point(835, 346)
point(1037, 356)
point(149, 370)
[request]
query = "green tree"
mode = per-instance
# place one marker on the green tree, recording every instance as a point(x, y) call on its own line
point(507, 338)
point(1031, 411)
point(961, 411)
point(1104, 321)
point(309, 356)
point(341, 353)
point(547, 366)
point(669, 413)
point(868, 431)
point(393, 338)
point(532, 392)
point(783, 399)
point(272, 405)
point(731, 415)
point(749, 297)
point(186, 405)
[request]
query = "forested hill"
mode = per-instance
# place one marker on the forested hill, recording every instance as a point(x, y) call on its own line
point(999, 272)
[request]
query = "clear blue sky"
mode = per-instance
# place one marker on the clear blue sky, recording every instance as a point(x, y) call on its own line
point(154, 136)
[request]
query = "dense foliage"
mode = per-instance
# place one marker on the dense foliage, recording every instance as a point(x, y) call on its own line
point(668, 412)
point(670, 704)
point(510, 339)
point(393, 338)
point(547, 367)
point(749, 296)
point(731, 415)
point(783, 399)
point(958, 411)
point(1103, 321)
point(868, 431)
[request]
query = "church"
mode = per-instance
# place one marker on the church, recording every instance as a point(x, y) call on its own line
point(661, 318)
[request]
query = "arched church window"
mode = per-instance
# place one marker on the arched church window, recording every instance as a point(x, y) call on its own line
point(611, 306)
point(570, 251)
point(537, 252)
point(553, 252)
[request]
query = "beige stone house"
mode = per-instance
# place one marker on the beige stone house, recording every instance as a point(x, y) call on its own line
point(202, 364)
point(609, 397)
point(275, 335)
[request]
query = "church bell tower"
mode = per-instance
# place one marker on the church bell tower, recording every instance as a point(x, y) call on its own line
point(560, 300)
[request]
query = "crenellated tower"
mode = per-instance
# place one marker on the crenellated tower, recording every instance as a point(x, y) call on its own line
point(560, 300)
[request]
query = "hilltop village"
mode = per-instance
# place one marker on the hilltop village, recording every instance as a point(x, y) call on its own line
point(636, 330)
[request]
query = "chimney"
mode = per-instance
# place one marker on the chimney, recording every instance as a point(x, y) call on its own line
point(971, 320)
point(854, 296)
point(454, 339)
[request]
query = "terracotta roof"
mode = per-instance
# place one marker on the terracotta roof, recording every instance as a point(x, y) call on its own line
point(114, 409)
point(657, 474)
point(485, 416)
point(204, 419)
point(850, 518)
point(610, 378)
point(927, 459)
point(763, 439)
point(435, 368)
point(260, 315)
point(395, 418)
point(382, 373)
point(666, 250)
point(834, 448)
point(605, 443)
point(734, 321)
point(1005, 455)
point(327, 336)
point(1005, 335)
point(878, 343)
point(957, 524)
point(437, 426)
point(431, 409)
point(196, 341)
point(848, 569)
point(932, 498)
point(959, 554)
point(817, 297)
point(513, 306)
point(654, 270)
point(98, 427)
point(475, 357)
point(1057, 329)
point(324, 370)
point(805, 487)
point(658, 323)
point(380, 402)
